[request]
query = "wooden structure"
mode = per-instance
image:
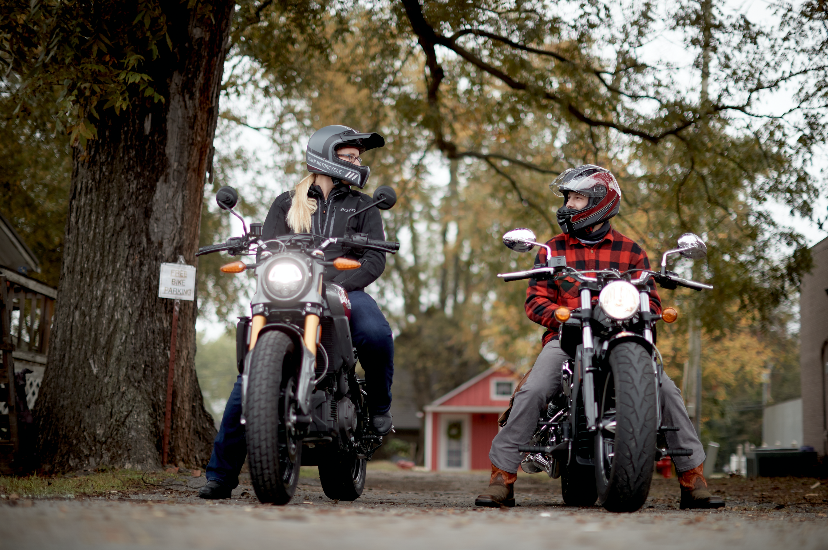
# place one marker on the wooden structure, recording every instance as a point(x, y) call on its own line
point(26, 310)
point(460, 426)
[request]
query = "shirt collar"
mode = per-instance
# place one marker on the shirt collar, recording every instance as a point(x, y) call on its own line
point(570, 240)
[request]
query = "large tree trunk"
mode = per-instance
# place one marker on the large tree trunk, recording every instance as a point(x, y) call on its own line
point(135, 202)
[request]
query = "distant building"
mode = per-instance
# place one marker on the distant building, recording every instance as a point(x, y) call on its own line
point(813, 354)
point(782, 424)
point(14, 254)
point(26, 325)
point(460, 425)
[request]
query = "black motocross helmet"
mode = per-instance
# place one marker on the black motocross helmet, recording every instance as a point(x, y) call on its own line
point(599, 186)
point(321, 153)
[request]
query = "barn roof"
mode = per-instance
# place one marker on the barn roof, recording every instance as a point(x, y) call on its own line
point(13, 251)
point(499, 369)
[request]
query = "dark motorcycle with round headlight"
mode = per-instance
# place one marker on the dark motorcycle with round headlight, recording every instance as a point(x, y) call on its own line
point(603, 433)
point(302, 401)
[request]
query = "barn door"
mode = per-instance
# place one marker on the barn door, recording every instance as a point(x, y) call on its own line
point(454, 441)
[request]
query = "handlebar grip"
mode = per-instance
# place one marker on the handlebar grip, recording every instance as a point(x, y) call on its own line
point(212, 248)
point(690, 284)
point(391, 245)
point(508, 278)
point(671, 279)
point(693, 285)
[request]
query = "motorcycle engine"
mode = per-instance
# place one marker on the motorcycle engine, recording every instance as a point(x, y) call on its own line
point(346, 418)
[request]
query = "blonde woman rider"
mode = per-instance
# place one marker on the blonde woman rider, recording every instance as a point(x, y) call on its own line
point(321, 204)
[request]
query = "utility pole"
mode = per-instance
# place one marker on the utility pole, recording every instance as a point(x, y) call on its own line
point(694, 333)
point(694, 373)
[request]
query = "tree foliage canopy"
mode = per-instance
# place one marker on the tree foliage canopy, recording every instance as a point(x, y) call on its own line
point(482, 104)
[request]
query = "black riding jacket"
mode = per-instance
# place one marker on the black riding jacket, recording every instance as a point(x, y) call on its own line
point(329, 220)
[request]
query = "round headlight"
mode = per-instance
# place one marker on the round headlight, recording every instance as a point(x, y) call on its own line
point(284, 279)
point(619, 300)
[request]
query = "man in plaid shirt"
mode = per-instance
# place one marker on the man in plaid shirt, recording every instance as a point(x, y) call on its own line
point(612, 251)
point(591, 197)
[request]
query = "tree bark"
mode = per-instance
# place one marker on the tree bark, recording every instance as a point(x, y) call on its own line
point(135, 203)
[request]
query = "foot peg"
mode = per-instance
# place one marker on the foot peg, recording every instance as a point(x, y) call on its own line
point(676, 452)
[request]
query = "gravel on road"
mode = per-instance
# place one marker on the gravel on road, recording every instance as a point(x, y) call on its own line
point(405, 509)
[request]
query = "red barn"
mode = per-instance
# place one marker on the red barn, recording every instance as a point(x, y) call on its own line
point(460, 426)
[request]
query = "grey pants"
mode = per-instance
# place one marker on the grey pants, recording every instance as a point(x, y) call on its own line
point(545, 381)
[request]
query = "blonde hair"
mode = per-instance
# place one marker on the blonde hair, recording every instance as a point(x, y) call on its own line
point(302, 206)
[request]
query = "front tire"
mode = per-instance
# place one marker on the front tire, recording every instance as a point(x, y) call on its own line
point(272, 446)
point(624, 459)
point(342, 475)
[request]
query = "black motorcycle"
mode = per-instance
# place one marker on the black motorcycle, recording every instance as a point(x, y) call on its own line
point(302, 403)
point(603, 433)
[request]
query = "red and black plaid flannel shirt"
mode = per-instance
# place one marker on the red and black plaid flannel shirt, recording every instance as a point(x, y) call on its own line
point(615, 251)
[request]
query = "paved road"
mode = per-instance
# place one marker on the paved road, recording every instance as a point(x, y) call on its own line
point(415, 510)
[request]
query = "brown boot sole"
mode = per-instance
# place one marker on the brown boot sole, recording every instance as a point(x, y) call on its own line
point(711, 504)
point(491, 503)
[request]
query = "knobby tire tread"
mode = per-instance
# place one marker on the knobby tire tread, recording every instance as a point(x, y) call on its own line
point(336, 477)
point(263, 419)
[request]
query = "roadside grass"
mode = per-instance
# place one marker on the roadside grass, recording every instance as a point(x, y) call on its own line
point(81, 483)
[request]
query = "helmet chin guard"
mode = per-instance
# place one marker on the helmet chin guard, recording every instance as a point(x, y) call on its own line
point(321, 155)
point(602, 191)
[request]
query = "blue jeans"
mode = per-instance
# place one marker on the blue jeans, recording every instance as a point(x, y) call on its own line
point(375, 345)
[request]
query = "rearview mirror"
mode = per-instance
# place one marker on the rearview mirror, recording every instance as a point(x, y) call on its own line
point(385, 197)
point(227, 198)
point(520, 239)
point(691, 246)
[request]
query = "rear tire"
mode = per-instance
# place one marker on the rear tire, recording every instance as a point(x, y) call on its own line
point(342, 475)
point(578, 484)
point(624, 460)
point(274, 452)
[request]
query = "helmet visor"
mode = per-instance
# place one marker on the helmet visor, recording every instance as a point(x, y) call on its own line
point(587, 182)
point(363, 142)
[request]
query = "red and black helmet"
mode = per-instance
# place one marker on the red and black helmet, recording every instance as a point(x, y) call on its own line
point(598, 185)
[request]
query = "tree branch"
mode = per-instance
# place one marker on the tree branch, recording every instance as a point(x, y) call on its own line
point(525, 201)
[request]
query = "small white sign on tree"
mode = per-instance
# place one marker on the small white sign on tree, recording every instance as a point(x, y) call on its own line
point(177, 282)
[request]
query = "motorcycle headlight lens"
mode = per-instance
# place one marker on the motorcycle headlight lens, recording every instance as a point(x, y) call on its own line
point(619, 300)
point(285, 279)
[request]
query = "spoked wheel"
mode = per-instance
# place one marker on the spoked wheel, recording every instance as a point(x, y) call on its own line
point(626, 439)
point(274, 450)
point(342, 475)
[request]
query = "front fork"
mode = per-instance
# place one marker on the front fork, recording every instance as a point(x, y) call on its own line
point(310, 339)
point(590, 406)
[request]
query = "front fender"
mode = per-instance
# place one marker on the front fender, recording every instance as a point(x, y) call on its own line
point(625, 336)
point(306, 369)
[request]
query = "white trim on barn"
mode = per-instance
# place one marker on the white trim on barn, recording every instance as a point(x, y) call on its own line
point(464, 409)
point(429, 420)
point(464, 442)
point(464, 386)
point(495, 395)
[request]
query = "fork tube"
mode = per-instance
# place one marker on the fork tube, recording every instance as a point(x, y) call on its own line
point(311, 330)
point(586, 307)
point(645, 307)
point(590, 408)
point(255, 327)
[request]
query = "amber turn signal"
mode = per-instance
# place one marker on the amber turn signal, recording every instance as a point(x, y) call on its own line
point(234, 267)
point(562, 314)
point(669, 315)
point(344, 264)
